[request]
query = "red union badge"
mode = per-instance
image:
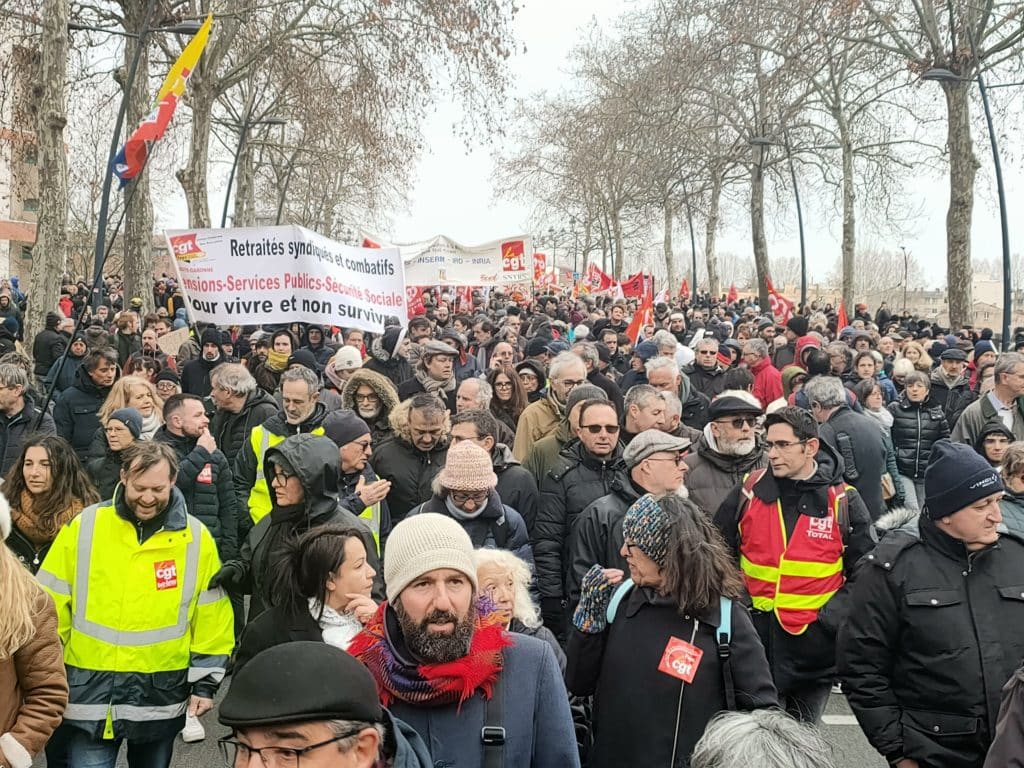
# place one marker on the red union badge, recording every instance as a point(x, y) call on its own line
point(185, 247)
point(206, 475)
point(680, 659)
point(513, 256)
point(166, 574)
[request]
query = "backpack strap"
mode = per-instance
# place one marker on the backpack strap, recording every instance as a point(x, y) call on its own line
point(492, 735)
point(724, 651)
point(499, 532)
point(838, 493)
point(620, 592)
point(751, 480)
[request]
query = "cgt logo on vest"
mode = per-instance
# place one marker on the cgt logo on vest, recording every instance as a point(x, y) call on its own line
point(166, 574)
point(819, 527)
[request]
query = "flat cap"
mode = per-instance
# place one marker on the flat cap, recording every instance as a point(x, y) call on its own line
point(652, 441)
point(434, 347)
point(730, 405)
point(954, 354)
point(299, 682)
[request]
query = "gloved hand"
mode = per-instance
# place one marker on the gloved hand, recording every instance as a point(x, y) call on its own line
point(229, 577)
point(553, 613)
point(596, 592)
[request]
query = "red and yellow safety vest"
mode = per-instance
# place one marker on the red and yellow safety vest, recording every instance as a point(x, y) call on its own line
point(793, 578)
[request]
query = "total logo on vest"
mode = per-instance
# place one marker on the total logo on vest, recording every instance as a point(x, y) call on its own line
point(820, 528)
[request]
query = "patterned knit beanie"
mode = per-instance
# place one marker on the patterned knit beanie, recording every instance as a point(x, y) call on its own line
point(646, 525)
point(423, 543)
point(468, 468)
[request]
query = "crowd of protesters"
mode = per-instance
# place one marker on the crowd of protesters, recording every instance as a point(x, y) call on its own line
point(511, 532)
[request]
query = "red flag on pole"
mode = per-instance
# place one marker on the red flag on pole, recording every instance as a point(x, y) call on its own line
point(782, 308)
point(733, 294)
point(634, 287)
point(684, 288)
point(842, 321)
point(644, 316)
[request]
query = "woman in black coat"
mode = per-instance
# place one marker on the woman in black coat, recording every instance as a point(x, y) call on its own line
point(312, 586)
point(917, 424)
point(645, 681)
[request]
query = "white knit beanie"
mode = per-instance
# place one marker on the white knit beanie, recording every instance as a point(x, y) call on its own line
point(5, 518)
point(423, 543)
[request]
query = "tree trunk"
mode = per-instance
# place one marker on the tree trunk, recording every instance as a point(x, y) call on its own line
point(671, 273)
point(50, 97)
point(244, 214)
point(192, 177)
point(617, 242)
point(757, 230)
point(138, 221)
point(962, 168)
point(849, 245)
point(711, 233)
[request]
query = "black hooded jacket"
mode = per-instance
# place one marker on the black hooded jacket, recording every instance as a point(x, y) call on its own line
point(195, 375)
point(314, 460)
point(809, 658)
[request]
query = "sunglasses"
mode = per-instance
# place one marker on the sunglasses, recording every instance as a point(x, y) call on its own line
point(596, 429)
point(739, 421)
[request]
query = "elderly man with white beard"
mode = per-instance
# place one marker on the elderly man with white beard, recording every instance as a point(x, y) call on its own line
point(728, 450)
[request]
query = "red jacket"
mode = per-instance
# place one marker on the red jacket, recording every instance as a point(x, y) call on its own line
point(767, 381)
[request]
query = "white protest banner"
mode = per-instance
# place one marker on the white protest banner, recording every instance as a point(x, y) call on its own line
point(442, 261)
point(286, 274)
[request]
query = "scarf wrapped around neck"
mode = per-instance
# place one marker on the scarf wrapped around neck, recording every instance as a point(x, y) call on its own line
point(433, 386)
point(37, 530)
point(434, 685)
point(277, 361)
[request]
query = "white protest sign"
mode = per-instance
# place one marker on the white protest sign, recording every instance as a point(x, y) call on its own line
point(442, 261)
point(286, 274)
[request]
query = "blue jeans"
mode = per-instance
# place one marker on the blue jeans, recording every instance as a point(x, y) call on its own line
point(805, 704)
point(83, 751)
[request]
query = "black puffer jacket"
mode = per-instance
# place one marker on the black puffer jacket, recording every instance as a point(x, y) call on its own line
point(393, 367)
point(315, 461)
point(597, 536)
point(516, 485)
point(205, 481)
point(498, 526)
point(934, 634)
point(577, 481)
point(75, 412)
point(48, 345)
point(620, 668)
point(713, 475)
point(709, 383)
point(232, 430)
point(15, 429)
point(915, 428)
point(411, 472)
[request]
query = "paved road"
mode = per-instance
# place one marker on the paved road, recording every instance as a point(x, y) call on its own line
point(842, 732)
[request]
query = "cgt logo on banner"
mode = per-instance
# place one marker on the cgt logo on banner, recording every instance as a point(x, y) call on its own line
point(259, 275)
point(441, 260)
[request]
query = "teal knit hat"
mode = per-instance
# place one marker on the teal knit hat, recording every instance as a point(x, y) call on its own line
point(646, 525)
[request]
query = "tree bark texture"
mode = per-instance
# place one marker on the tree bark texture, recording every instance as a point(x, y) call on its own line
point(49, 255)
point(192, 177)
point(849, 245)
point(711, 233)
point(963, 167)
point(671, 273)
point(757, 231)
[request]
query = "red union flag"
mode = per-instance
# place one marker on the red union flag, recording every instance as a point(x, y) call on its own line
point(684, 288)
point(513, 256)
point(597, 279)
point(634, 287)
point(782, 308)
point(733, 294)
point(540, 266)
point(414, 301)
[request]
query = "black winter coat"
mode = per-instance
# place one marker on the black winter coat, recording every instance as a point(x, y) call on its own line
point(75, 413)
point(47, 347)
point(577, 480)
point(597, 536)
point(631, 696)
point(105, 472)
point(915, 428)
point(858, 440)
point(205, 481)
point(708, 383)
point(15, 429)
point(934, 635)
point(497, 527)
point(275, 626)
point(714, 475)
point(411, 472)
point(516, 485)
point(809, 658)
point(951, 399)
point(195, 375)
point(232, 430)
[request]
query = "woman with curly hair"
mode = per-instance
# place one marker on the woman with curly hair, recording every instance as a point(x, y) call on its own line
point(510, 397)
point(46, 487)
point(33, 684)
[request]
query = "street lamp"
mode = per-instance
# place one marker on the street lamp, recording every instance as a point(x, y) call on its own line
point(943, 75)
point(115, 141)
point(188, 27)
point(243, 132)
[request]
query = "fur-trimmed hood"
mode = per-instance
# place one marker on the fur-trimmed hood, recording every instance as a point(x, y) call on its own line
point(381, 385)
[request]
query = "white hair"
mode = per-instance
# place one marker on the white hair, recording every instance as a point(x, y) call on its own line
point(657, 363)
point(763, 738)
point(523, 607)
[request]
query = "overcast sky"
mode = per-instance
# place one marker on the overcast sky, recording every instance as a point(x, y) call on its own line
point(454, 190)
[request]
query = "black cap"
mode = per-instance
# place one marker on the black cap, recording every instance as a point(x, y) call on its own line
point(300, 682)
point(730, 405)
point(954, 354)
point(304, 358)
point(537, 346)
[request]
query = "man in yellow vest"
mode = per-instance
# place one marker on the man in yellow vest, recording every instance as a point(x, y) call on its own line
point(360, 491)
point(798, 531)
point(145, 641)
point(301, 413)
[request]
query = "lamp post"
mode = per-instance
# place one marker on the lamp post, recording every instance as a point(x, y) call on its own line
point(185, 28)
point(942, 75)
point(243, 132)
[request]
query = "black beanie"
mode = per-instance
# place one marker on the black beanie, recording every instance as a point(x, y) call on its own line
point(53, 320)
point(955, 478)
point(304, 358)
point(798, 324)
point(344, 426)
point(210, 336)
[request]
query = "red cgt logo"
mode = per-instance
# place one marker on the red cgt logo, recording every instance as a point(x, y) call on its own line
point(513, 256)
point(166, 574)
point(185, 247)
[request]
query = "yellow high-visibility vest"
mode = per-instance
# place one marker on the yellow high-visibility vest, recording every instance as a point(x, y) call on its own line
point(262, 439)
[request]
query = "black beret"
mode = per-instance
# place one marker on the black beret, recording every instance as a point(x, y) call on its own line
point(730, 405)
point(299, 682)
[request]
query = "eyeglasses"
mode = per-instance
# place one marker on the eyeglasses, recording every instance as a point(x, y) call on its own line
point(461, 498)
point(679, 459)
point(739, 421)
point(596, 429)
point(363, 446)
point(367, 398)
point(503, 385)
point(235, 753)
point(570, 383)
point(782, 444)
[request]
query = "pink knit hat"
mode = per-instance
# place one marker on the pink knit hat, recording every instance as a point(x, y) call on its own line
point(468, 468)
